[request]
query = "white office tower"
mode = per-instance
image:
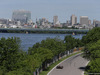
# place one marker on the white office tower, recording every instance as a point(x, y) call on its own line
point(55, 20)
point(73, 20)
point(84, 20)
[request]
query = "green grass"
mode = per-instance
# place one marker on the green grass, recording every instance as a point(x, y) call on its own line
point(53, 65)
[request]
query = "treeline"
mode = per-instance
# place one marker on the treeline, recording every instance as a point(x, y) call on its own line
point(43, 31)
point(14, 61)
point(92, 50)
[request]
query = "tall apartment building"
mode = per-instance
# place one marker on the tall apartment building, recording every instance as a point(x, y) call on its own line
point(55, 20)
point(84, 20)
point(21, 15)
point(73, 20)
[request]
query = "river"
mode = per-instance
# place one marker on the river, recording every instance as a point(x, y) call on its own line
point(28, 40)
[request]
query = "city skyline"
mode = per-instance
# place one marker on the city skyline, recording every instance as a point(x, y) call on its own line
point(44, 8)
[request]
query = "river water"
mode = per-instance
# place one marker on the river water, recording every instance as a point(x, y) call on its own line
point(28, 40)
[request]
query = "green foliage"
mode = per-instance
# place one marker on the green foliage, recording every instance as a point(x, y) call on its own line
point(12, 58)
point(92, 50)
point(55, 45)
point(46, 50)
point(9, 55)
point(92, 36)
point(94, 66)
point(44, 53)
point(17, 72)
point(71, 42)
point(30, 64)
point(40, 55)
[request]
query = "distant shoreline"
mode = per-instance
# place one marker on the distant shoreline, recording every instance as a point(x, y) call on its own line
point(53, 31)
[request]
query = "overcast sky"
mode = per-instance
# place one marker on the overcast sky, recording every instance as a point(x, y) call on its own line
point(48, 8)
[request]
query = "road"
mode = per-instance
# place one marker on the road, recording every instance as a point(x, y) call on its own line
point(71, 66)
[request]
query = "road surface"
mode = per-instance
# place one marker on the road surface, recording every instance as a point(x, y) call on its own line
point(71, 66)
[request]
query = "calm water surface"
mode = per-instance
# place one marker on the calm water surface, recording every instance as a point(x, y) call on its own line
point(28, 40)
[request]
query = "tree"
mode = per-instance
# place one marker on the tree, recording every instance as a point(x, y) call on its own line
point(41, 56)
point(92, 51)
point(92, 36)
point(46, 50)
point(44, 53)
point(94, 66)
point(9, 53)
point(55, 45)
point(71, 42)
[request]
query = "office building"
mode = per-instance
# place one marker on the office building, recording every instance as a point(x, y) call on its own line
point(3, 21)
point(55, 20)
point(42, 21)
point(73, 20)
point(84, 20)
point(68, 22)
point(96, 23)
point(21, 15)
point(89, 22)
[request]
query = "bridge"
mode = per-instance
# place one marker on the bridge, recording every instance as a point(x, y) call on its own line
point(30, 30)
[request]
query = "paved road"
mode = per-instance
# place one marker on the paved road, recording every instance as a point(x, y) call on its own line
point(72, 66)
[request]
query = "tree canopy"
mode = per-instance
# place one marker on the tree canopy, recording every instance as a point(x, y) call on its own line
point(71, 42)
point(92, 50)
point(92, 36)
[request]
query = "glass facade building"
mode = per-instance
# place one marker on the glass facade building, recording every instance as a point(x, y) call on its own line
point(21, 15)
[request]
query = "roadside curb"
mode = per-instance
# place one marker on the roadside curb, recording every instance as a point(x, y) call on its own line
point(85, 65)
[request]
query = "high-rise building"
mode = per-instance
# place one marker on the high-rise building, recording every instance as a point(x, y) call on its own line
point(55, 20)
point(89, 22)
point(84, 20)
point(73, 20)
point(68, 22)
point(21, 15)
point(96, 23)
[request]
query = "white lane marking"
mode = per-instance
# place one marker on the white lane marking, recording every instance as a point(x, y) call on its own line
point(85, 65)
point(62, 62)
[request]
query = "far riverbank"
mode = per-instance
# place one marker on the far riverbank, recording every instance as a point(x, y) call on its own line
point(45, 31)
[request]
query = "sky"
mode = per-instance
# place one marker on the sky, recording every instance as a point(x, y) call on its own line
point(49, 8)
